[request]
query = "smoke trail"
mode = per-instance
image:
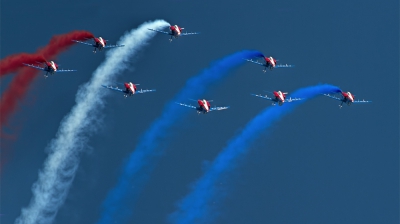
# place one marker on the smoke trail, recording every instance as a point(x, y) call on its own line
point(117, 206)
point(62, 42)
point(13, 62)
point(20, 83)
point(51, 189)
point(194, 208)
point(16, 90)
point(57, 45)
point(8, 103)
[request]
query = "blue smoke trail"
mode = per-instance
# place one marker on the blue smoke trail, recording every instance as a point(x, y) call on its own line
point(119, 201)
point(194, 208)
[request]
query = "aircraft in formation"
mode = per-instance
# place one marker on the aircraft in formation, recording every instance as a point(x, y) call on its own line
point(347, 98)
point(204, 106)
point(269, 62)
point(130, 89)
point(279, 98)
point(49, 67)
point(99, 44)
point(174, 31)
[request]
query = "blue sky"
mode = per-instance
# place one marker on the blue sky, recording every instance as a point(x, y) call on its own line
point(318, 165)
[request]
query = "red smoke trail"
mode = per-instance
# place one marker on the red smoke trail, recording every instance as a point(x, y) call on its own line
point(62, 42)
point(25, 77)
point(15, 92)
point(57, 45)
point(13, 62)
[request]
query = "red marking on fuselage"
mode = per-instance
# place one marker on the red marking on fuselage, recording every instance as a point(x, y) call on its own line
point(270, 61)
point(100, 42)
point(130, 87)
point(176, 30)
point(205, 105)
point(280, 96)
point(52, 66)
point(348, 96)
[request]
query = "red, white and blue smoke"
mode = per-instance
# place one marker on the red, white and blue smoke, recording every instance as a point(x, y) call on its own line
point(119, 202)
point(195, 207)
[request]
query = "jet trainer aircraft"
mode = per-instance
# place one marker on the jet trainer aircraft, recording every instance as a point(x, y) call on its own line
point(175, 31)
point(204, 106)
point(50, 67)
point(348, 98)
point(99, 43)
point(270, 62)
point(130, 89)
point(279, 98)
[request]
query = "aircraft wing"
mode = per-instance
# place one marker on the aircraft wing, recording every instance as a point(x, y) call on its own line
point(66, 70)
point(34, 66)
point(145, 91)
point(362, 101)
point(111, 46)
point(284, 66)
point(292, 99)
point(264, 97)
point(160, 31)
point(218, 108)
point(255, 62)
point(333, 97)
point(81, 42)
point(185, 34)
point(186, 105)
point(114, 88)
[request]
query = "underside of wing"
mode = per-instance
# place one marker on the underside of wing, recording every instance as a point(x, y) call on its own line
point(66, 70)
point(145, 91)
point(290, 99)
point(34, 66)
point(218, 108)
point(186, 105)
point(255, 62)
point(160, 31)
point(81, 42)
point(111, 46)
point(114, 88)
point(362, 101)
point(264, 97)
point(284, 66)
point(333, 97)
point(185, 34)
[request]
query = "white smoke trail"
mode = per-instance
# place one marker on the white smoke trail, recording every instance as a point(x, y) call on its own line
point(51, 189)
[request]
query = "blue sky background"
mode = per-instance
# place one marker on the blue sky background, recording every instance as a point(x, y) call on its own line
point(320, 164)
